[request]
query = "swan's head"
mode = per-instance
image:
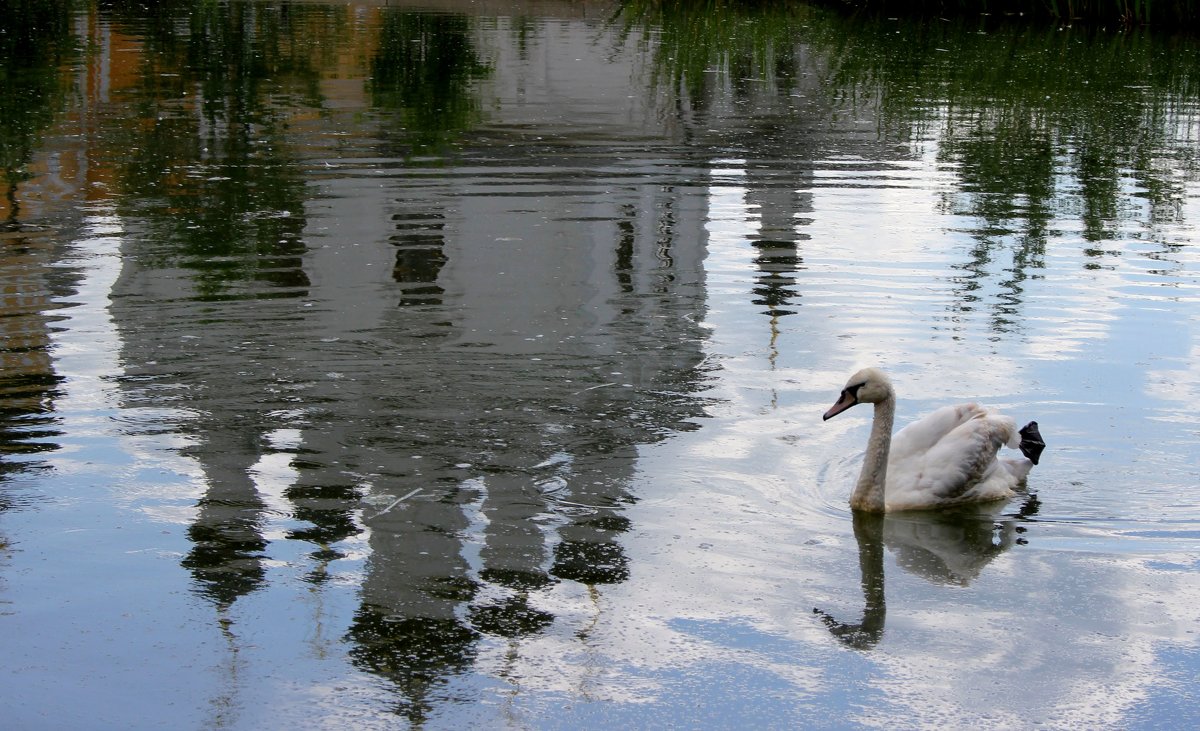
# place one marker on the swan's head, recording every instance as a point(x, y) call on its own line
point(868, 386)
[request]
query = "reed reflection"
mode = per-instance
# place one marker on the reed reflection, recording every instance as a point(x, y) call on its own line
point(746, 86)
point(1072, 125)
point(421, 74)
point(1092, 107)
point(946, 547)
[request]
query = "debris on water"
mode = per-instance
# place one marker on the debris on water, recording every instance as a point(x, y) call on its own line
point(397, 501)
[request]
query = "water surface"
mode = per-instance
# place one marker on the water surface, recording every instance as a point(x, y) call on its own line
point(462, 366)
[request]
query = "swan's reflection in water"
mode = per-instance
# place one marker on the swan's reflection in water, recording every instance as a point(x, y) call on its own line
point(945, 547)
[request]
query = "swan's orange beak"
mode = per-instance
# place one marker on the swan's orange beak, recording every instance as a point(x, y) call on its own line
point(845, 401)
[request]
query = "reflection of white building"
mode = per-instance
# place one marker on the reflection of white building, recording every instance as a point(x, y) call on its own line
point(474, 350)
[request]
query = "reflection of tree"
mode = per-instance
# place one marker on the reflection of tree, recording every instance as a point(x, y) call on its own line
point(211, 172)
point(28, 383)
point(1042, 12)
point(1041, 124)
point(422, 73)
point(33, 85)
point(415, 653)
point(749, 43)
point(740, 76)
point(947, 547)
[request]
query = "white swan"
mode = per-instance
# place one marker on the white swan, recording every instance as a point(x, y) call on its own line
point(946, 458)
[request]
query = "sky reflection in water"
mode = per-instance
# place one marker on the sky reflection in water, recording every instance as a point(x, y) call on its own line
point(469, 369)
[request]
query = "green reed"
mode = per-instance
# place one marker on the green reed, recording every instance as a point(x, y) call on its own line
point(1174, 14)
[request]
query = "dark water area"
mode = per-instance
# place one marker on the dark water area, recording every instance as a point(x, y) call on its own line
point(456, 365)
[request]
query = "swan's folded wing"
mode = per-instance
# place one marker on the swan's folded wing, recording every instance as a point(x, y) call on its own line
point(962, 461)
point(920, 436)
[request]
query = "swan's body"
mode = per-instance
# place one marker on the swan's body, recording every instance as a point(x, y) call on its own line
point(949, 457)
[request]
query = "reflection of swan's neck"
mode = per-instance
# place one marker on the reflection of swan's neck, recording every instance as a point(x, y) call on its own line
point(868, 532)
point(868, 493)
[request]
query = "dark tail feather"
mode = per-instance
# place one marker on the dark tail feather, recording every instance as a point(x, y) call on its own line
point(1031, 442)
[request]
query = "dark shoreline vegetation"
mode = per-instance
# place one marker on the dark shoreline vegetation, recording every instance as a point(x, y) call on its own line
point(1173, 15)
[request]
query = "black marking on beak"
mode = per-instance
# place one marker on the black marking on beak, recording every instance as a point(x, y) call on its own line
point(848, 398)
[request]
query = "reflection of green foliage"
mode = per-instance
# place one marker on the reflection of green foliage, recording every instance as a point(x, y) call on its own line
point(212, 172)
point(417, 654)
point(232, 213)
point(1042, 125)
point(226, 556)
point(741, 40)
point(35, 39)
point(1125, 12)
point(590, 563)
point(1040, 122)
point(328, 508)
point(423, 73)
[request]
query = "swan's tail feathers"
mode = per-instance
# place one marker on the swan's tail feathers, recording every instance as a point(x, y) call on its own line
point(1031, 442)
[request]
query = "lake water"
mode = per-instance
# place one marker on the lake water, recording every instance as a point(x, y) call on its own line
point(462, 365)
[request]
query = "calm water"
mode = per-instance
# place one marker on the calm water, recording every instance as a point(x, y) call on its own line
point(371, 366)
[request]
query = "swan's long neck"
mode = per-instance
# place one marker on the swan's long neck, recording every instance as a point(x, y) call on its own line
point(868, 493)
